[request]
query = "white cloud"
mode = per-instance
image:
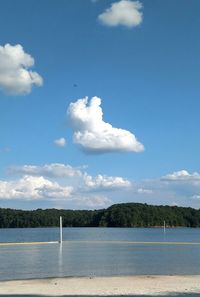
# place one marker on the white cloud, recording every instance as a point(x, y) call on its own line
point(144, 191)
point(73, 187)
point(60, 182)
point(49, 170)
point(33, 187)
point(93, 134)
point(93, 201)
point(5, 150)
point(182, 175)
point(61, 142)
point(15, 76)
point(195, 197)
point(174, 204)
point(125, 12)
point(104, 182)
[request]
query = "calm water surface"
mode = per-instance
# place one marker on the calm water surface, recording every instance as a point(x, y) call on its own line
point(98, 257)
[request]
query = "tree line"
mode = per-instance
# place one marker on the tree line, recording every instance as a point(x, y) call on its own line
point(118, 215)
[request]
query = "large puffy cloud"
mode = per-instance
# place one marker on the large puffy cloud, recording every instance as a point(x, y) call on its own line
point(95, 135)
point(125, 12)
point(15, 76)
point(33, 187)
point(103, 182)
point(49, 170)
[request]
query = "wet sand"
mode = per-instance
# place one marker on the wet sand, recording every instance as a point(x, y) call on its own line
point(104, 286)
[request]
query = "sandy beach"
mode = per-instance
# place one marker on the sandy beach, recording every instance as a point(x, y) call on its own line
point(188, 286)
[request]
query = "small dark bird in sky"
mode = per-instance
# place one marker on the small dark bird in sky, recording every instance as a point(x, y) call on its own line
point(75, 85)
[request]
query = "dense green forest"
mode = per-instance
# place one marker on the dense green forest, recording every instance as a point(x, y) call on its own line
point(118, 215)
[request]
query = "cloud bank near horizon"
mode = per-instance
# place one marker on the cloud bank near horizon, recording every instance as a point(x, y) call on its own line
point(59, 182)
point(62, 184)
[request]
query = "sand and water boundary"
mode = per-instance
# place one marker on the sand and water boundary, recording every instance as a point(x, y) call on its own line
point(149, 285)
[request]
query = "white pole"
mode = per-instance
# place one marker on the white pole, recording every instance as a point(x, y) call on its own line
point(60, 229)
point(164, 227)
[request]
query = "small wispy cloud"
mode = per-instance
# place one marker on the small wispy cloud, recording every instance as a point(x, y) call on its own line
point(93, 201)
point(144, 191)
point(103, 182)
point(182, 175)
point(61, 142)
point(125, 13)
point(196, 197)
point(5, 150)
point(53, 170)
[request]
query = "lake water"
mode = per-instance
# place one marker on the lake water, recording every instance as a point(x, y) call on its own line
point(108, 253)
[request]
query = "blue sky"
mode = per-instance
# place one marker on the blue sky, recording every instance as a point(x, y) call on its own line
point(144, 65)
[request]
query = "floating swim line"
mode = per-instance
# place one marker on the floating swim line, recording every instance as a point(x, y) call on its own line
point(26, 243)
point(101, 242)
point(134, 242)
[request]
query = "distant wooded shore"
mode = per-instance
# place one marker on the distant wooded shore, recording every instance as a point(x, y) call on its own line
point(117, 215)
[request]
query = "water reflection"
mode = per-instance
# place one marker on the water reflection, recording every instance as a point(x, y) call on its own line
point(60, 259)
point(102, 258)
point(124, 234)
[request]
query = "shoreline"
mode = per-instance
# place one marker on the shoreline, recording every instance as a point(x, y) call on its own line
point(141, 285)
